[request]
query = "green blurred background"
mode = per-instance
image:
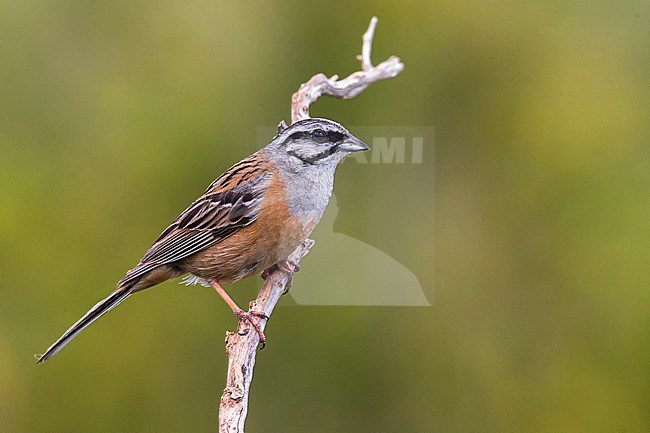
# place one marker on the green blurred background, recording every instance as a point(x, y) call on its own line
point(115, 115)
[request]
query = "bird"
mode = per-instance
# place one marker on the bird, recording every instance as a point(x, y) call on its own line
point(246, 222)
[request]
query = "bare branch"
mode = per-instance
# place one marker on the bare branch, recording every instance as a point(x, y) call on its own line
point(366, 49)
point(348, 87)
point(241, 346)
point(241, 349)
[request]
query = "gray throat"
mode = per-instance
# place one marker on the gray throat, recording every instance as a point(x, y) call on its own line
point(308, 191)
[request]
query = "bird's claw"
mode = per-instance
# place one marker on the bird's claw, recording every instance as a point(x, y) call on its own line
point(287, 266)
point(249, 316)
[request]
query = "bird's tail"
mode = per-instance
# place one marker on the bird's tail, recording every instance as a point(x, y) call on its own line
point(101, 308)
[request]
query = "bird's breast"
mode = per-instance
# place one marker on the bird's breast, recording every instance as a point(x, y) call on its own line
point(275, 233)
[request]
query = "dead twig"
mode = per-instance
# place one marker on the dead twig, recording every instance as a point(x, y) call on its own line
point(241, 346)
point(348, 87)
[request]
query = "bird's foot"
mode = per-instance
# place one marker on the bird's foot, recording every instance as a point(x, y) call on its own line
point(288, 267)
point(253, 317)
point(266, 272)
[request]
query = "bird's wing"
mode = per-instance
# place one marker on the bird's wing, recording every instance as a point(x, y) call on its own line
point(230, 203)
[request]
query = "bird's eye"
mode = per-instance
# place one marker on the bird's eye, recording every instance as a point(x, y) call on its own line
point(319, 136)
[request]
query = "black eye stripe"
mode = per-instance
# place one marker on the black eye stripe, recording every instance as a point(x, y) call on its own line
point(330, 136)
point(334, 137)
point(298, 135)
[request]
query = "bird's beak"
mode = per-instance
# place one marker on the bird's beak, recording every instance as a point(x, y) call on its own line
point(353, 144)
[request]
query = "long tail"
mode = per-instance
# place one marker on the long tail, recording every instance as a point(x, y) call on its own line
point(101, 308)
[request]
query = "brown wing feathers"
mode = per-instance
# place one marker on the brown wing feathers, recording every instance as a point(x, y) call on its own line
point(230, 203)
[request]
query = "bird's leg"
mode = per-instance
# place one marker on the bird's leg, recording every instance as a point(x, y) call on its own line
point(288, 267)
point(243, 316)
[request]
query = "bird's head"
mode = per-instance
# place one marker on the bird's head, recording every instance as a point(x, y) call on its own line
point(314, 142)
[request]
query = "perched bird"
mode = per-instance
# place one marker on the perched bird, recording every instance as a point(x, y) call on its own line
point(248, 220)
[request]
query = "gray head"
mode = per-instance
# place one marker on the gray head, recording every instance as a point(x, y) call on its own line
point(313, 143)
